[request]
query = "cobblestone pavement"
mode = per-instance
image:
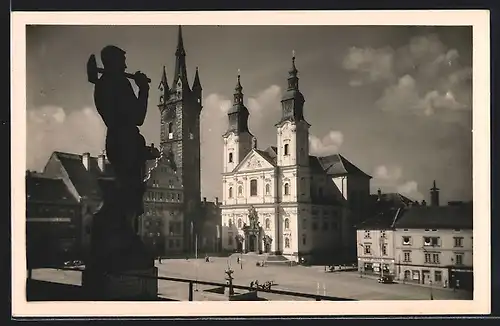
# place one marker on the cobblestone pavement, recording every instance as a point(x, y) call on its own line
point(298, 279)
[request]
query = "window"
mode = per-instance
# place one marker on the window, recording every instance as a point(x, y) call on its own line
point(407, 275)
point(431, 241)
point(304, 239)
point(287, 224)
point(170, 131)
point(177, 243)
point(315, 226)
point(230, 157)
point(459, 258)
point(230, 222)
point(407, 256)
point(268, 223)
point(170, 243)
point(253, 187)
point(287, 243)
point(304, 223)
point(170, 183)
point(240, 190)
point(438, 276)
point(230, 194)
point(367, 249)
point(287, 189)
point(178, 196)
point(427, 258)
point(286, 150)
point(382, 234)
point(268, 189)
point(406, 241)
point(367, 234)
point(384, 249)
point(435, 258)
point(240, 223)
point(459, 241)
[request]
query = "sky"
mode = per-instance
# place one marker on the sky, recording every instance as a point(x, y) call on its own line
point(394, 100)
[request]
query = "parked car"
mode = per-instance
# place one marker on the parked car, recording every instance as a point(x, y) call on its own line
point(386, 279)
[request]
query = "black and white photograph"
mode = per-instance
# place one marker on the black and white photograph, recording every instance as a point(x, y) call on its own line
point(253, 159)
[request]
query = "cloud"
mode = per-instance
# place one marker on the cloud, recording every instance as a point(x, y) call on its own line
point(51, 128)
point(369, 65)
point(391, 179)
point(329, 144)
point(424, 77)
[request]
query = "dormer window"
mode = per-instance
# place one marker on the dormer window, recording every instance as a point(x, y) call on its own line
point(406, 241)
point(286, 150)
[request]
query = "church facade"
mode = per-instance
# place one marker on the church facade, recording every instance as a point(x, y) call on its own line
point(280, 199)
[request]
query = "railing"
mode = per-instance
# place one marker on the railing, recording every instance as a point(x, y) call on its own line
point(191, 283)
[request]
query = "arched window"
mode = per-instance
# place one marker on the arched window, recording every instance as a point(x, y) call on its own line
point(287, 224)
point(286, 150)
point(240, 190)
point(240, 223)
point(287, 189)
point(170, 127)
point(230, 192)
point(287, 243)
point(268, 189)
point(253, 187)
point(268, 223)
point(230, 157)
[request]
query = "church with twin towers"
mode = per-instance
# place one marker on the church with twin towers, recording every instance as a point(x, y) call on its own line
point(276, 199)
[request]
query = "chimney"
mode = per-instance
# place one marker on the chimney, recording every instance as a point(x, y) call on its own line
point(86, 160)
point(424, 203)
point(101, 161)
point(434, 195)
point(216, 201)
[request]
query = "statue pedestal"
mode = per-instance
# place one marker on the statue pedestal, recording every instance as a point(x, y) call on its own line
point(118, 259)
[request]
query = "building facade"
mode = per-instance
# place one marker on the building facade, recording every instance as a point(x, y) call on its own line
point(282, 200)
point(53, 222)
point(375, 241)
point(434, 245)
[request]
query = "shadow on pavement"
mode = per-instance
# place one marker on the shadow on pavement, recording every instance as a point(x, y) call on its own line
point(37, 290)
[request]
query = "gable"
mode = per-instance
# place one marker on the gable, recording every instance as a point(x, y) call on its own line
point(254, 161)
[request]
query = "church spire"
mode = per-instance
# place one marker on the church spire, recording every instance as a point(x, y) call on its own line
point(180, 61)
point(292, 101)
point(238, 114)
point(196, 82)
point(238, 95)
point(163, 87)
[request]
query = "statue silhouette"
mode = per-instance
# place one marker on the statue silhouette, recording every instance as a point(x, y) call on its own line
point(115, 225)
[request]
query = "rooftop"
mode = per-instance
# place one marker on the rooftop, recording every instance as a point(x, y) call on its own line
point(437, 217)
point(40, 188)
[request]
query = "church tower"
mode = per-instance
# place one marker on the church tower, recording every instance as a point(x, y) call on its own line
point(293, 129)
point(180, 107)
point(238, 141)
point(293, 143)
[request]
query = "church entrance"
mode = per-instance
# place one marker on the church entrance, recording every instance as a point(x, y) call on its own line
point(252, 243)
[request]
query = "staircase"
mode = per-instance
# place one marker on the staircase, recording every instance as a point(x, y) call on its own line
point(268, 259)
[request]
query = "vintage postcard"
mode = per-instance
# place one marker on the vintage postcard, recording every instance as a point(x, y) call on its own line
point(325, 162)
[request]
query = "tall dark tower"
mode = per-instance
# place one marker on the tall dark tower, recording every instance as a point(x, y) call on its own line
point(180, 107)
point(434, 195)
